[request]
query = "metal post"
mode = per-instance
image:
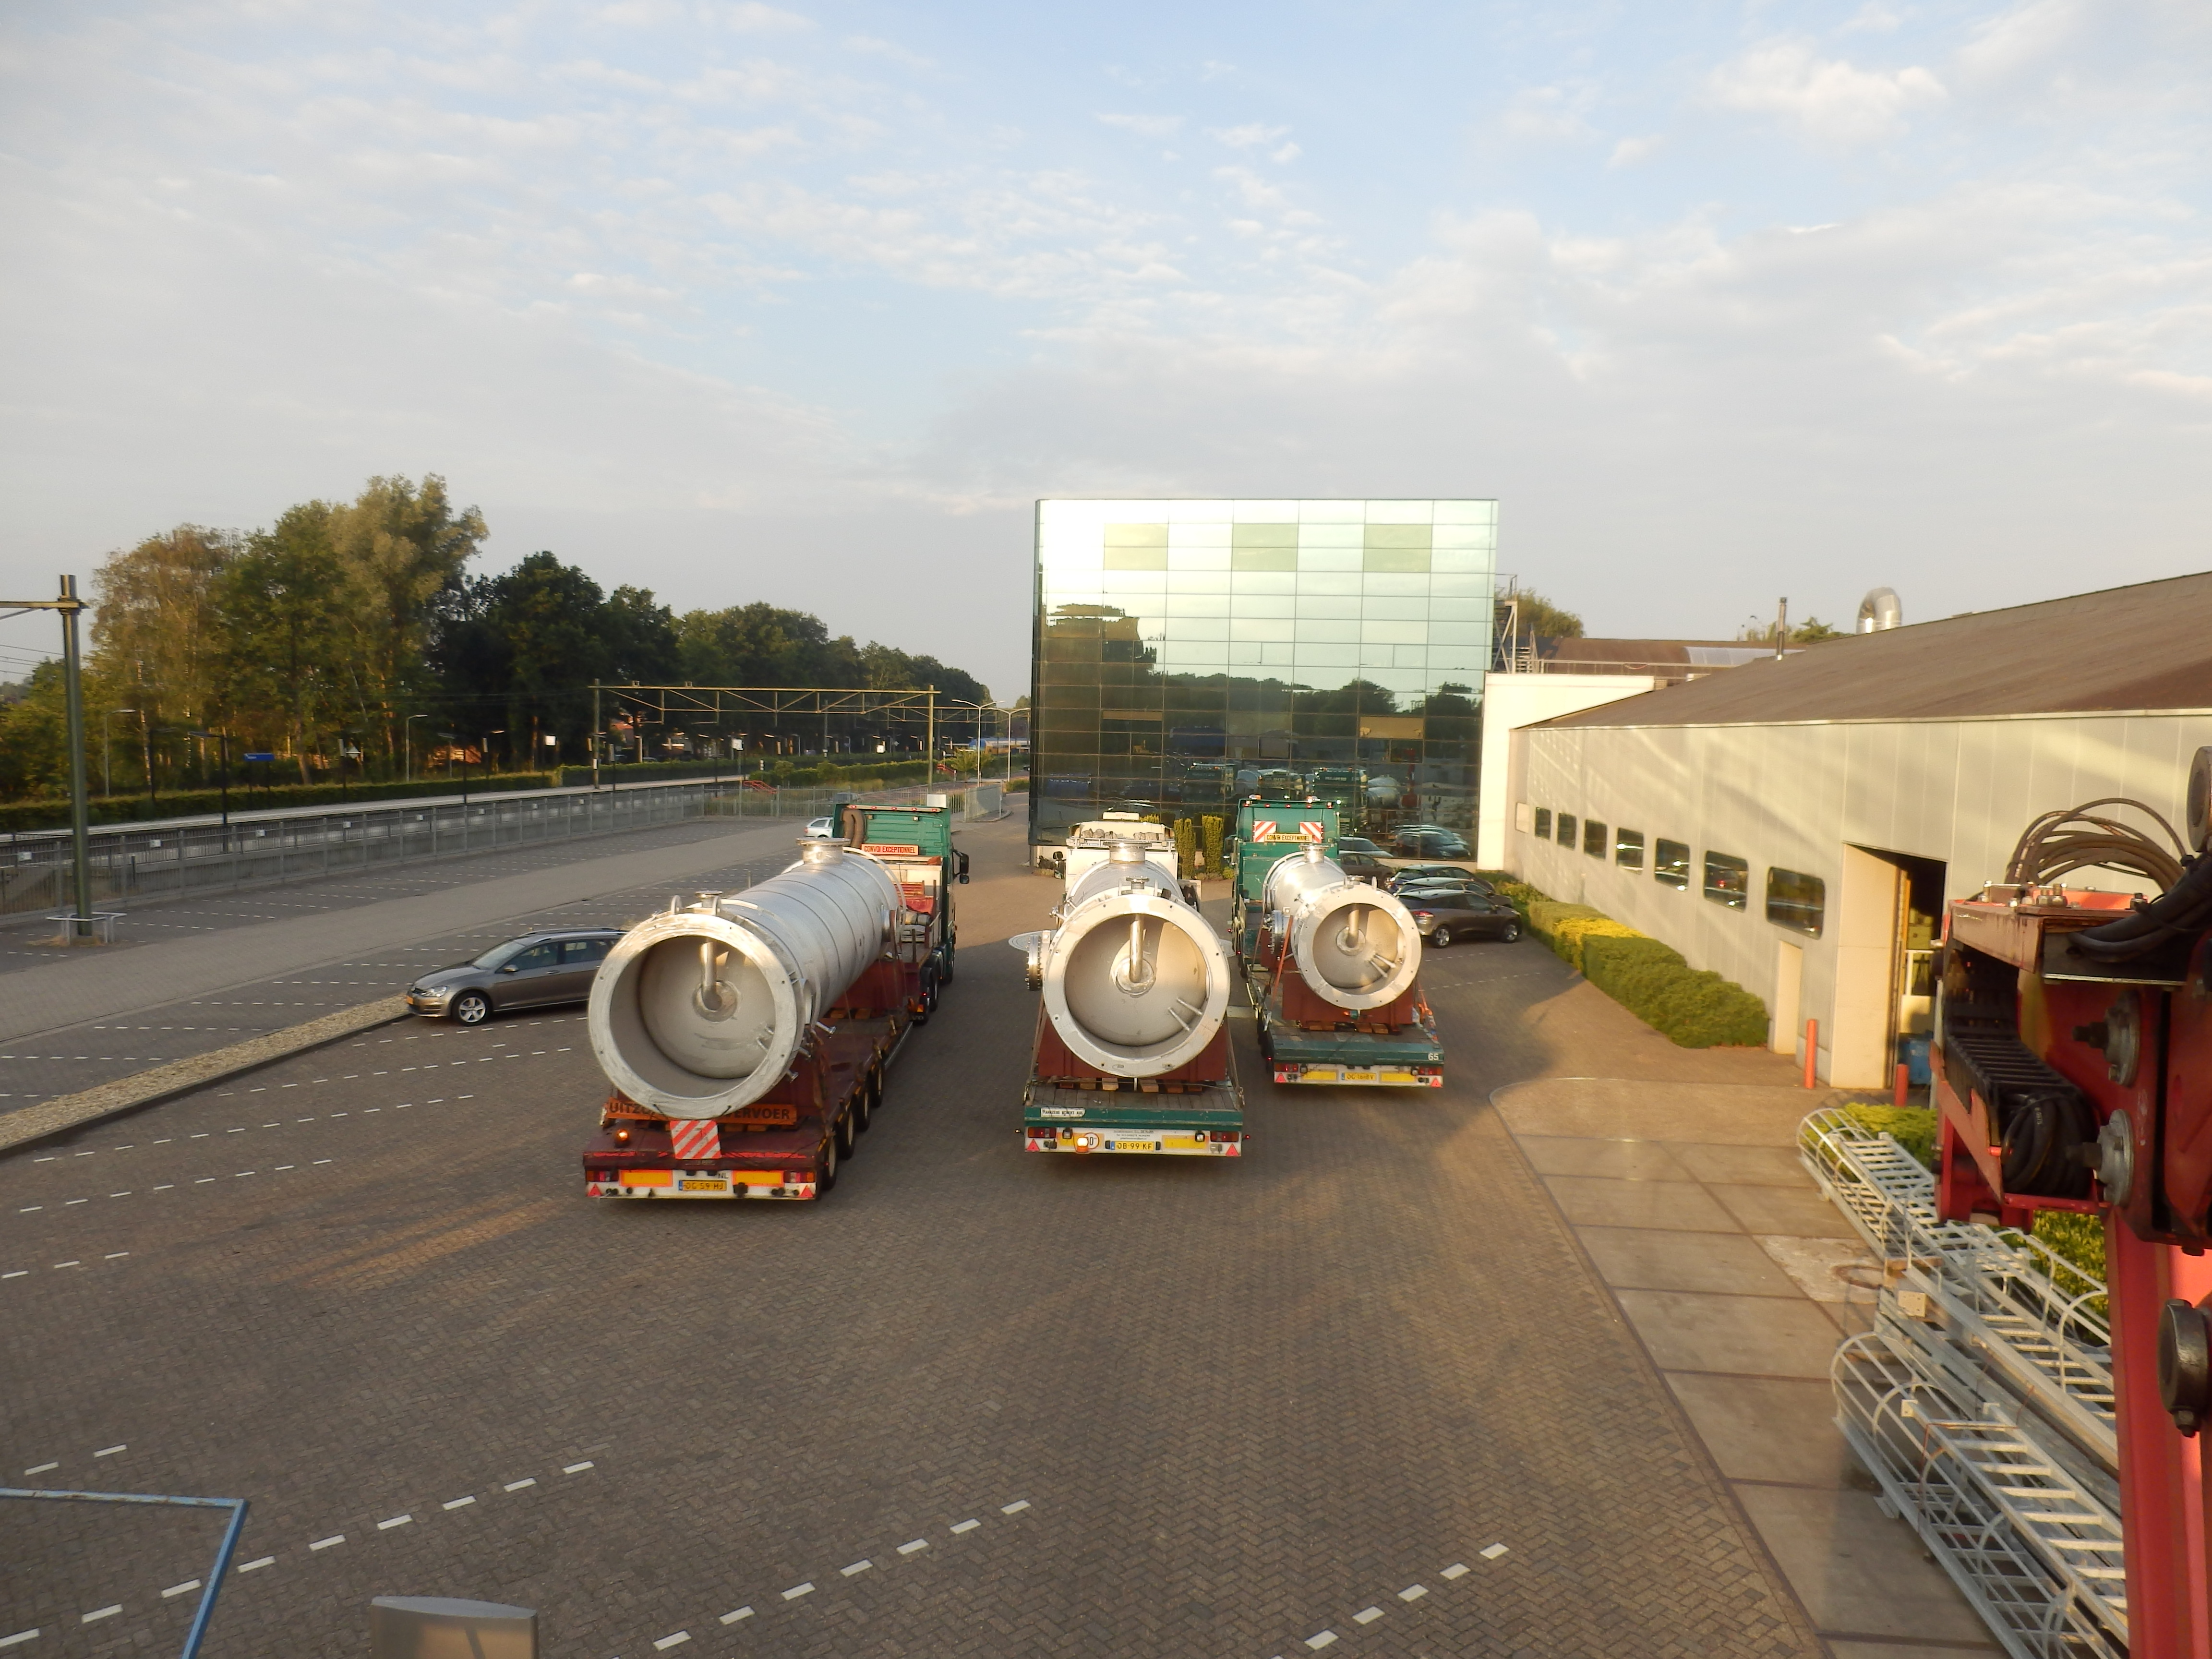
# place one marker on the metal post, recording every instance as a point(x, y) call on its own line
point(72, 673)
point(222, 749)
point(929, 747)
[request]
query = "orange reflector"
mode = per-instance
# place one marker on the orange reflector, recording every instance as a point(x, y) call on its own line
point(648, 1178)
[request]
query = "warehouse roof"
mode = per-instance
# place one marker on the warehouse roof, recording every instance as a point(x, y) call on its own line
point(2145, 647)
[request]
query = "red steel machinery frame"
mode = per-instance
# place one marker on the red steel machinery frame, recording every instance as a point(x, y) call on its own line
point(2068, 1080)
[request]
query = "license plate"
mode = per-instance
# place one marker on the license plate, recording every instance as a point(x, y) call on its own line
point(691, 1185)
point(1118, 1145)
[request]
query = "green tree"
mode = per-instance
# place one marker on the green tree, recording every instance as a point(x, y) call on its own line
point(404, 546)
point(1539, 619)
point(282, 608)
point(157, 638)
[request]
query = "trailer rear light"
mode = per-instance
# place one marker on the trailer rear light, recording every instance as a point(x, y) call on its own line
point(1198, 1134)
point(796, 1177)
point(622, 1137)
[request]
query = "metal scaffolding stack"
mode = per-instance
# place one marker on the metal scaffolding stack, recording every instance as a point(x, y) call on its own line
point(1981, 1401)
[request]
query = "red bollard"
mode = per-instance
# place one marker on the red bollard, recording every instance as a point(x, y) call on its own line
point(1904, 1081)
point(1811, 1051)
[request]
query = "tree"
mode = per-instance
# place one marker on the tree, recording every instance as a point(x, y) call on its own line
point(1539, 619)
point(157, 639)
point(403, 547)
point(282, 605)
point(1811, 631)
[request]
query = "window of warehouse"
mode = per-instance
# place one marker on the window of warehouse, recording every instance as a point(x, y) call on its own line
point(1727, 880)
point(1628, 848)
point(1543, 823)
point(1797, 901)
point(1594, 838)
point(1566, 829)
point(1672, 867)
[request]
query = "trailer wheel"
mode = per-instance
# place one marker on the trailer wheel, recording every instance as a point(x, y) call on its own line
point(828, 1178)
point(863, 1108)
point(842, 1138)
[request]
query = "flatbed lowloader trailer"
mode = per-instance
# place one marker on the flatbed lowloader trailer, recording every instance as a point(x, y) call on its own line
point(1131, 1049)
point(1302, 928)
point(789, 1135)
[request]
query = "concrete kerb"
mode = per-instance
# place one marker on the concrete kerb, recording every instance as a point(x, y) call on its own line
point(29, 1124)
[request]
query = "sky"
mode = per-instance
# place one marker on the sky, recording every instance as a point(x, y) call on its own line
point(809, 303)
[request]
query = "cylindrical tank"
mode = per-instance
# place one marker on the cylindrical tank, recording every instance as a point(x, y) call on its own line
point(1355, 945)
point(701, 1010)
point(1136, 982)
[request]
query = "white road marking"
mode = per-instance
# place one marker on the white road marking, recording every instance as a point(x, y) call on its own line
point(459, 1503)
point(334, 1538)
point(967, 1525)
point(1015, 1508)
point(517, 1485)
point(741, 1613)
point(576, 1469)
point(18, 1274)
point(118, 1194)
point(396, 1521)
point(187, 1588)
point(76, 1201)
point(99, 1613)
point(1413, 1592)
point(29, 1208)
point(1493, 1551)
point(1367, 1615)
point(21, 1636)
point(256, 1566)
point(857, 1567)
point(41, 1468)
point(117, 1256)
point(283, 1167)
point(1456, 1570)
point(110, 1451)
point(798, 1590)
point(918, 1544)
point(68, 1264)
point(1322, 1640)
point(675, 1641)
point(165, 1186)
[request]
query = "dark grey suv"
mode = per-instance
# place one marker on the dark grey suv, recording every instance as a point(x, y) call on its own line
point(528, 972)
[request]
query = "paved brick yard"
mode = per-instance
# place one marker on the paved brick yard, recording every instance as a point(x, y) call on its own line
point(1191, 1408)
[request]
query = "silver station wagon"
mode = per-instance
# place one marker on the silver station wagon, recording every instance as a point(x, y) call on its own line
point(529, 972)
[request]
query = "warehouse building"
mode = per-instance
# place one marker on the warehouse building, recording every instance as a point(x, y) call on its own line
point(1797, 825)
point(1190, 651)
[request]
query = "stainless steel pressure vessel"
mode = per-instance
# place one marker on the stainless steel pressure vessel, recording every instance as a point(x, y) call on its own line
point(1136, 982)
point(1355, 945)
point(698, 1012)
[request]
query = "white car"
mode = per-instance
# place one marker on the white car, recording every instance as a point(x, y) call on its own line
point(822, 829)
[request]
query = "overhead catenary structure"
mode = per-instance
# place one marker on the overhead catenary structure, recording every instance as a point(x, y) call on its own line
point(1798, 824)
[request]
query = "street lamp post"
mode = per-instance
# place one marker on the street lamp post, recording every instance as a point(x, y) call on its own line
point(222, 778)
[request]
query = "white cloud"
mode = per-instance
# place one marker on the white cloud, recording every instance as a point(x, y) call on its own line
point(1549, 114)
point(1831, 100)
point(2021, 37)
point(750, 17)
point(1630, 151)
point(1251, 136)
point(1146, 126)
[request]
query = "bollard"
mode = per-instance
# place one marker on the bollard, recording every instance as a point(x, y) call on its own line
point(437, 1627)
point(1904, 1081)
point(1811, 1051)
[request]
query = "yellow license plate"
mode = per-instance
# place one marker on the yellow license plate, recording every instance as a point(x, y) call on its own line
point(695, 1186)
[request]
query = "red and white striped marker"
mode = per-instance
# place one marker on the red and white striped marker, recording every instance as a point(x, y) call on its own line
point(696, 1137)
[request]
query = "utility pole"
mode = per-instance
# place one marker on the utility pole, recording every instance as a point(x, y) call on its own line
point(79, 923)
point(1781, 628)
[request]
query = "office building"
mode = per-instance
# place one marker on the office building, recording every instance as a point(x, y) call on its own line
point(1188, 652)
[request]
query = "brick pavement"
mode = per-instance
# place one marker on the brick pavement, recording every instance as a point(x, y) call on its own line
point(1245, 1402)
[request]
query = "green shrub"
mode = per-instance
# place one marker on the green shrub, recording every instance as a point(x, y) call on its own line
point(2079, 1240)
point(30, 815)
point(1693, 1007)
point(1569, 927)
point(1210, 833)
point(1913, 1127)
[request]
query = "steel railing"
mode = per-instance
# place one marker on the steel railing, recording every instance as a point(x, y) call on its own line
point(137, 865)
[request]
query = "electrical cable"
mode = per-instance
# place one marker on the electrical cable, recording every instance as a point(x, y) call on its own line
point(2072, 839)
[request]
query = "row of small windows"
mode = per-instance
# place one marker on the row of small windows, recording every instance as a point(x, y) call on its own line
point(1794, 900)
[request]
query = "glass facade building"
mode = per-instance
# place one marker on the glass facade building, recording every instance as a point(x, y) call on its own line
point(1190, 653)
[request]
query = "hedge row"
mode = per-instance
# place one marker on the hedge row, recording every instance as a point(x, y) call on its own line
point(1693, 1007)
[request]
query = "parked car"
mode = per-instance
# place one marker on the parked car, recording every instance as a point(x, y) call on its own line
point(530, 972)
point(1443, 916)
point(1360, 844)
point(1413, 875)
point(1363, 867)
point(822, 829)
point(1429, 844)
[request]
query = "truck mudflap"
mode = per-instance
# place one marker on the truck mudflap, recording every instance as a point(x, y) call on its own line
point(702, 1183)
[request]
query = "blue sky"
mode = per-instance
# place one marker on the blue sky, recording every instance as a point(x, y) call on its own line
point(809, 303)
